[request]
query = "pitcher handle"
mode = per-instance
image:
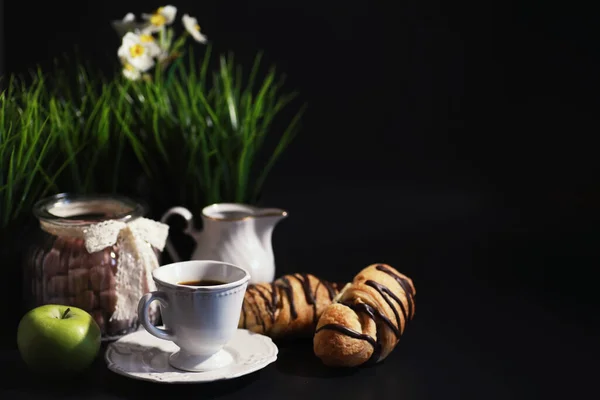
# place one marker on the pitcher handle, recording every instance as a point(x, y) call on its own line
point(189, 228)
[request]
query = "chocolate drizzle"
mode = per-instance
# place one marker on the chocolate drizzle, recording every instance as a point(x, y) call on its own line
point(274, 298)
point(405, 286)
point(305, 282)
point(356, 335)
point(383, 291)
point(287, 289)
point(309, 296)
point(271, 302)
point(254, 307)
point(330, 289)
point(372, 312)
point(269, 305)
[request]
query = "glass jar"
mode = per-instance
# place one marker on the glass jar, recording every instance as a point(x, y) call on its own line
point(58, 268)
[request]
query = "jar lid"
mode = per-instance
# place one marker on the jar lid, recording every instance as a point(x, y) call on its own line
point(81, 210)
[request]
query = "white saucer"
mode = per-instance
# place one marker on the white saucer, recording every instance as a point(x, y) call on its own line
point(140, 355)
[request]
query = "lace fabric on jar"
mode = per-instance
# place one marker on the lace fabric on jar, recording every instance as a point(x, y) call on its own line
point(97, 254)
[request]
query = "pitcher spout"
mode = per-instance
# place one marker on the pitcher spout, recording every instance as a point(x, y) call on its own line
point(275, 213)
point(265, 221)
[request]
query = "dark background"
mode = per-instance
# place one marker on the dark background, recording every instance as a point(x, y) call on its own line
point(489, 204)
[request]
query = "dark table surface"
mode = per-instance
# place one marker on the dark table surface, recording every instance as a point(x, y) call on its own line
point(503, 312)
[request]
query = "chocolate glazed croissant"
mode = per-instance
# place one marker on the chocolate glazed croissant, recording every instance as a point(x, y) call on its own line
point(289, 306)
point(368, 317)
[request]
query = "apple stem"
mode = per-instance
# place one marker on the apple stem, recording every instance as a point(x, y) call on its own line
point(65, 313)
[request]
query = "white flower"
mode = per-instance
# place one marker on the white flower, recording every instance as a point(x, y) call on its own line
point(131, 73)
point(127, 24)
point(191, 25)
point(136, 52)
point(161, 17)
point(149, 42)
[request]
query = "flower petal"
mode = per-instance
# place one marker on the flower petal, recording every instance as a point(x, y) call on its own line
point(191, 25)
point(137, 53)
point(129, 17)
point(153, 49)
point(131, 73)
point(122, 52)
point(149, 42)
point(130, 39)
point(150, 29)
point(127, 24)
point(188, 22)
point(198, 37)
point(142, 63)
point(169, 12)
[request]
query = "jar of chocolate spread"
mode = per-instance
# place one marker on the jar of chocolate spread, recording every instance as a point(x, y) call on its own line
point(60, 269)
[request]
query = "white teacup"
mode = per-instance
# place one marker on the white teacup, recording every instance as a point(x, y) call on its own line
point(201, 319)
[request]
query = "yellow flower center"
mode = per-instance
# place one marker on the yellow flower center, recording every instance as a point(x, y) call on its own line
point(129, 67)
point(158, 20)
point(136, 50)
point(197, 27)
point(147, 38)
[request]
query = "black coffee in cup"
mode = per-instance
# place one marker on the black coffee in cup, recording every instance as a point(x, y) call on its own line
point(202, 282)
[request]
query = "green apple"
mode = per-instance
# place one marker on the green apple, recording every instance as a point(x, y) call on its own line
point(58, 339)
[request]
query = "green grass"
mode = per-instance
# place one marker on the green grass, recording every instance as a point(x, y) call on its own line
point(57, 136)
point(26, 148)
point(204, 128)
point(92, 121)
point(196, 132)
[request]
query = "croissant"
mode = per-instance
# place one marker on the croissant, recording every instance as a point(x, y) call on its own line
point(289, 306)
point(367, 318)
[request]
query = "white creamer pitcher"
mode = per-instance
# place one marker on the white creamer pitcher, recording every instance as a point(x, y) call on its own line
point(234, 233)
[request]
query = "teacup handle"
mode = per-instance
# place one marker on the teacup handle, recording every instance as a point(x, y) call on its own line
point(144, 317)
point(189, 228)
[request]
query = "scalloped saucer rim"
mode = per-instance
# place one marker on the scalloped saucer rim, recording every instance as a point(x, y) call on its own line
point(141, 356)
